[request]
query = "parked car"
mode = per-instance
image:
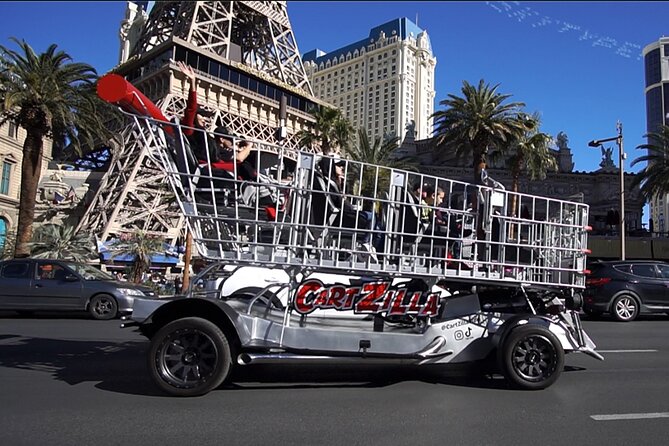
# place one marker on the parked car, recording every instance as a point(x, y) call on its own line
point(28, 285)
point(626, 288)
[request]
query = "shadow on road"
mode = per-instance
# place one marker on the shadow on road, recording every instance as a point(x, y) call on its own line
point(115, 366)
point(355, 376)
point(121, 367)
point(642, 317)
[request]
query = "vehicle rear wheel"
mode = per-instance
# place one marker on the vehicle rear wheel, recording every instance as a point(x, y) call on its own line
point(625, 308)
point(103, 306)
point(531, 357)
point(189, 357)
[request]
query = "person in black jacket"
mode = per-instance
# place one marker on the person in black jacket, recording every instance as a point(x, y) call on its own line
point(330, 179)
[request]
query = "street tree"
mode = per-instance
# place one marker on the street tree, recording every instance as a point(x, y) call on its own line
point(141, 246)
point(653, 179)
point(331, 133)
point(43, 92)
point(530, 154)
point(52, 241)
point(471, 125)
point(380, 152)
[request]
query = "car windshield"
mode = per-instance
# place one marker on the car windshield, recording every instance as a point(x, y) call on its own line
point(88, 272)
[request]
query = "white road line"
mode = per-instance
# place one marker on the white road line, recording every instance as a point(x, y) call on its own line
point(629, 416)
point(626, 351)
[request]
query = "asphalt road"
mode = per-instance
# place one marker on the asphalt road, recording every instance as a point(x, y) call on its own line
point(67, 380)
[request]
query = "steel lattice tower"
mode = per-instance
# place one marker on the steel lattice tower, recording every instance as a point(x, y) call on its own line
point(245, 57)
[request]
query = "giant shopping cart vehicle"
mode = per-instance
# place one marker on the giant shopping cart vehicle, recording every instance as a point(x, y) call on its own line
point(314, 258)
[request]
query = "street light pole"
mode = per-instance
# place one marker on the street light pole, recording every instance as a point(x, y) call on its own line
point(621, 160)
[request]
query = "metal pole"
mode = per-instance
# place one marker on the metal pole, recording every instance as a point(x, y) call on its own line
point(621, 156)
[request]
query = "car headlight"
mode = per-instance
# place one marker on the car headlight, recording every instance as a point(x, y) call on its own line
point(130, 292)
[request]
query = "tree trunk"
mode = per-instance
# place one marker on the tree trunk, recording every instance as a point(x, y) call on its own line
point(31, 168)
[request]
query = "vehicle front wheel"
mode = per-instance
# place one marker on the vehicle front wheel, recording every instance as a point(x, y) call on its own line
point(531, 357)
point(625, 308)
point(103, 306)
point(189, 357)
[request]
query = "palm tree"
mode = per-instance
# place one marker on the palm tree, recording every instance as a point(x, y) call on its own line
point(141, 246)
point(654, 178)
point(42, 93)
point(331, 132)
point(531, 154)
point(379, 152)
point(471, 125)
point(51, 241)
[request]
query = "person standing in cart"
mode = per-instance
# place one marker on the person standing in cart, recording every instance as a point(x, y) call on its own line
point(195, 122)
point(233, 158)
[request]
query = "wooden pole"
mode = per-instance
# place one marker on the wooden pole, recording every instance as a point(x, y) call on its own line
point(187, 259)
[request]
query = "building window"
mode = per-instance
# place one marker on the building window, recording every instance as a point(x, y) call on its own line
point(12, 131)
point(6, 174)
point(652, 67)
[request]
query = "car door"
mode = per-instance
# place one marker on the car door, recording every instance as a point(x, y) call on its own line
point(664, 274)
point(647, 282)
point(15, 285)
point(56, 287)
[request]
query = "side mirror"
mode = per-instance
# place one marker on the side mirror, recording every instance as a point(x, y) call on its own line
point(71, 278)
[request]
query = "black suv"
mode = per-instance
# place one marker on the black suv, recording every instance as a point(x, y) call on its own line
point(626, 288)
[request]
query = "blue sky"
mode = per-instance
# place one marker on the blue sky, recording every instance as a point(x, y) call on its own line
point(577, 63)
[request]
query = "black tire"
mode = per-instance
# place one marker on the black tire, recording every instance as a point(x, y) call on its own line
point(189, 357)
point(625, 308)
point(103, 307)
point(531, 357)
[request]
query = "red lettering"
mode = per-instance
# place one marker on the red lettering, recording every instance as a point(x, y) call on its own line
point(390, 295)
point(431, 307)
point(351, 294)
point(373, 297)
point(371, 292)
point(414, 308)
point(336, 297)
point(322, 298)
point(398, 308)
point(304, 297)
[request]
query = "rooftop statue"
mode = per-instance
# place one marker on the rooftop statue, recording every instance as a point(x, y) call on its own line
point(562, 141)
point(607, 160)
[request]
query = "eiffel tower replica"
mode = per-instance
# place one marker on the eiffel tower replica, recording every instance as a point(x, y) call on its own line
point(245, 57)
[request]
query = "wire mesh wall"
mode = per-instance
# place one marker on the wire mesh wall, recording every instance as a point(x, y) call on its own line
point(250, 203)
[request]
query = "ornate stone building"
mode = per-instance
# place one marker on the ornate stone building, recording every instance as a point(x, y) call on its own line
point(11, 157)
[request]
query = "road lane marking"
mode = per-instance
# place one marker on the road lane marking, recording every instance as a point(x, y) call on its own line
point(630, 416)
point(627, 351)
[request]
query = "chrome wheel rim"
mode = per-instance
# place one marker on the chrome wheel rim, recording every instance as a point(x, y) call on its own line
point(534, 358)
point(187, 358)
point(626, 308)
